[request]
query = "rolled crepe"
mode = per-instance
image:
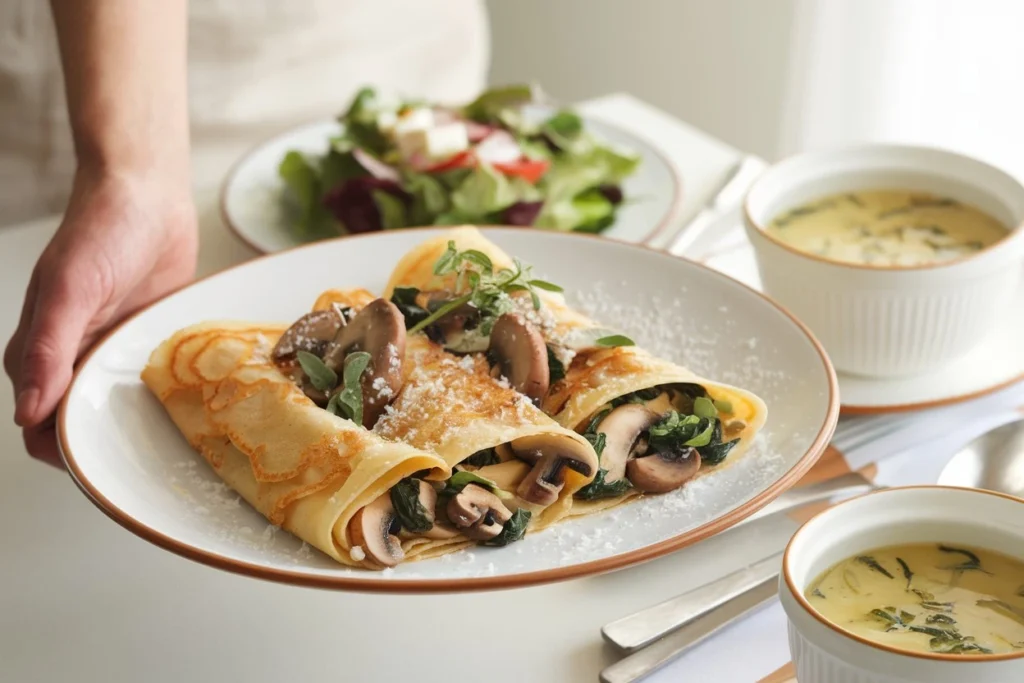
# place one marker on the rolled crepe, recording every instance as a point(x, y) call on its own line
point(303, 468)
point(594, 376)
point(451, 406)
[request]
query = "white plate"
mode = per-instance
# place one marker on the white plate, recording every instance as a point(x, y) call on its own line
point(128, 457)
point(254, 205)
point(995, 364)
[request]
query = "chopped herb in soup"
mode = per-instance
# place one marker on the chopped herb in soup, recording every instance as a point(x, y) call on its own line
point(887, 228)
point(927, 597)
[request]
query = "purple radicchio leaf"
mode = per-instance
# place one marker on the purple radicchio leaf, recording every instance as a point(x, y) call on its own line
point(522, 213)
point(352, 202)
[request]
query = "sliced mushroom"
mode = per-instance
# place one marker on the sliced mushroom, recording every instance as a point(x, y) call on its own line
point(378, 329)
point(478, 513)
point(312, 332)
point(504, 452)
point(520, 355)
point(551, 455)
point(623, 428)
point(660, 404)
point(733, 428)
point(374, 527)
point(655, 474)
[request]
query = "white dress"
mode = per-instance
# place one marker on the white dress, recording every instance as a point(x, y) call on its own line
point(256, 67)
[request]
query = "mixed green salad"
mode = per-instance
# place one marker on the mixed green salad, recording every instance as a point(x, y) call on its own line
point(396, 165)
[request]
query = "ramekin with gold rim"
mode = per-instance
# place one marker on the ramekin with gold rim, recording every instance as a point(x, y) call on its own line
point(826, 653)
point(890, 321)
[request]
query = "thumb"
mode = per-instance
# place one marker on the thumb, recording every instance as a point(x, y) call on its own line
point(62, 314)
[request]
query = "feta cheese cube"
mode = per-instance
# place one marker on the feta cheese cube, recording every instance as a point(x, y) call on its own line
point(386, 121)
point(447, 140)
point(410, 131)
point(413, 120)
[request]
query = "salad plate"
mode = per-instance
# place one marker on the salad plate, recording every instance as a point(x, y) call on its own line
point(608, 181)
point(130, 460)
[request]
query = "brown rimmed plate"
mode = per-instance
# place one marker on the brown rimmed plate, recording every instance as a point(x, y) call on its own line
point(130, 460)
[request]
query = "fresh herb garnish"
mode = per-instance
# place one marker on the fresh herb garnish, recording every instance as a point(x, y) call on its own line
point(907, 574)
point(320, 376)
point(896, 621)
point(971, 562)
point(462, 479)
point(483, 458)
point(934, 606)
point(348, 402)
point(614, 340)
point(873, 564)
point(1006, 609)
point(404, 298)
point(514, 529)
point(851, 581)
point(487, 290)
point(940, 619)
point(556, 368)
point(405, 498)
point(924, 595)
point(704, 407)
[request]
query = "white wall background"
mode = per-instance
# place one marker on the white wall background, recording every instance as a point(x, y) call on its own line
point(720, 65)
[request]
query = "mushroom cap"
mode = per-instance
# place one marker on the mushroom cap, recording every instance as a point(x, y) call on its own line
point(378, 329)
point(550, 455)
point(622, 427)
point(371, 528)
point(312, 332)
point(655, 474)
point(521, 355)
point(478, 513)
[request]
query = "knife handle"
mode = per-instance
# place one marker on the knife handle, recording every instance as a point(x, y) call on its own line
point(685, 238)
point(642, 663)
point(641, 628)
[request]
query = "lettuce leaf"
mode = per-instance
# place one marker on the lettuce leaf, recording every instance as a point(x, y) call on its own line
point(360, 125)
point(306, 188)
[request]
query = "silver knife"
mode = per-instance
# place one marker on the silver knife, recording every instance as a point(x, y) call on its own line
point(644, 662)
point(728, 195)
point(772, 527)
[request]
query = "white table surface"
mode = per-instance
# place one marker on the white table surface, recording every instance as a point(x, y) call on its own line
point(83, 600)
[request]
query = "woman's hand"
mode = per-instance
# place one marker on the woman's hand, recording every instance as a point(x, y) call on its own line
point(124, 242)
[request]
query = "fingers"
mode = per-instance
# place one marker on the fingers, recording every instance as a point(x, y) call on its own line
point(63, 311)
point(41, 443)
point(16, 346)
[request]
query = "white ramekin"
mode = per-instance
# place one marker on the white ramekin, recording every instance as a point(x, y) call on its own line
point(883, 320)
point(824, 653)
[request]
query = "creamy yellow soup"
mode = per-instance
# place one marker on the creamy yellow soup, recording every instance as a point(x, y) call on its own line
point(927, 597)
point(887, 228)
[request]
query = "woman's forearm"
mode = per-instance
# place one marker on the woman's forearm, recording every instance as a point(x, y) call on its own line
point(125, 75)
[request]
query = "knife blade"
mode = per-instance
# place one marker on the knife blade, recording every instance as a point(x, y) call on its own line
point(728, 195)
